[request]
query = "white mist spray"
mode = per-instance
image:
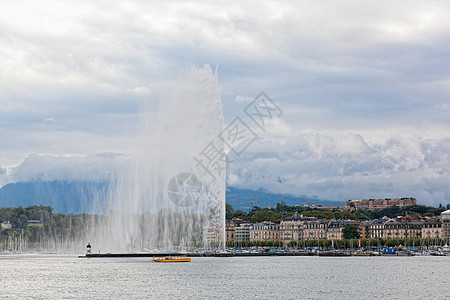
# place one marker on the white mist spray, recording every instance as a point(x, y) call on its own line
point(171, 195)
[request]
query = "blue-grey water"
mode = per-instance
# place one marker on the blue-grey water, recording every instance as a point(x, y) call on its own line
point(68, 277)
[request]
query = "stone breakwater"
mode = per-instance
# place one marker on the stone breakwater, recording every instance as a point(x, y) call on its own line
point(340, 254)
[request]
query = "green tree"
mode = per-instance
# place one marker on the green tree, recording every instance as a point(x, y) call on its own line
point(361, 215)
point(350, 232)
point(413, 214)
point(266, 215)
point(229, 211)
point(293, 244)
point(241, 215)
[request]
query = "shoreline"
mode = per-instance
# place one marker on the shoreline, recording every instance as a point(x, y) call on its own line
point(323, 254)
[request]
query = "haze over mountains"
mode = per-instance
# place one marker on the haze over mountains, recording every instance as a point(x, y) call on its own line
point(63, 197)
point(81, 184)
point(324, 169)
point(87, 197)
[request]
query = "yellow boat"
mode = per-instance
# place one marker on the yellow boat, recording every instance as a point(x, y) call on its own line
point(172, 259)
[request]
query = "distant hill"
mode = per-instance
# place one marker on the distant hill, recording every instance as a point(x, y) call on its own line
point(64, 197)
point(76, 197)
point(267, 199)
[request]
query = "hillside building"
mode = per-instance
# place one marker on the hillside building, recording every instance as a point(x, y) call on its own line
point(6, 225)
point(372, 204)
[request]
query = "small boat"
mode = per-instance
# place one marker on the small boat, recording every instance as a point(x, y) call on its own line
point(172, 259)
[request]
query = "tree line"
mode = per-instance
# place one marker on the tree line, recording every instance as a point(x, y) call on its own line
point(276, 214)
point(39, 225)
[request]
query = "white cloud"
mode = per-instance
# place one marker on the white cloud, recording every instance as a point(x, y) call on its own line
point(244, 99)
point(93, 168)
point(333, 167)
point(276, 130)
point(345, 166)
point(139, 90)
point(443, 106)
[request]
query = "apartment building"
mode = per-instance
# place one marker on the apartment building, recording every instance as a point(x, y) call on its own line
point(446, 224)
point(291, 228)
point(315, 230)
point(265, 231)
point(242, 233)
point(432, 230)
point(230, 228)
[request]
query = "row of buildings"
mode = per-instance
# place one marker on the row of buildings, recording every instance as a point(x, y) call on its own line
point(297, 228)
point(372, 204)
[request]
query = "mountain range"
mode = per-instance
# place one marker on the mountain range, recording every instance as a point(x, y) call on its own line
point(76, 197)
point(241, 199)
point(63, 197)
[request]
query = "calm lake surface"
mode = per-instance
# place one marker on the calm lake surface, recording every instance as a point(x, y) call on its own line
point(68, 277)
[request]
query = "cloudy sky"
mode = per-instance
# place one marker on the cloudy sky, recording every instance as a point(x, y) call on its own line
point(364, 87)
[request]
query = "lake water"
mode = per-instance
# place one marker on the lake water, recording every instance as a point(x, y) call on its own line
point(67, 277)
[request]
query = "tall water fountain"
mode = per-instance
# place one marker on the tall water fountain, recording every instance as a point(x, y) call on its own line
point(171, 193)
